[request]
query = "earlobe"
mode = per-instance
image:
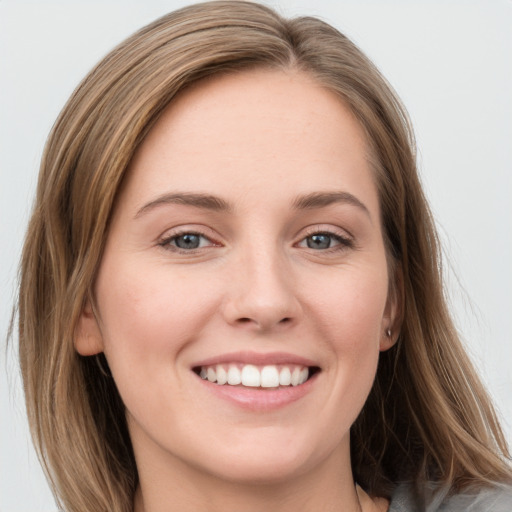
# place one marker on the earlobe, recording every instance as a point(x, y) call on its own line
point(388, 339)
point(393, 313)
point(88, 340)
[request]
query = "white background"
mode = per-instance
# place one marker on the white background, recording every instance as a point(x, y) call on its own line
point(451, 63)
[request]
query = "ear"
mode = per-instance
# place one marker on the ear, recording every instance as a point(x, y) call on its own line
point(393, 312)
point(88, 339)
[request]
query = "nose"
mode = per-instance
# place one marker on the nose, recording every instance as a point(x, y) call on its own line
point(262, 294)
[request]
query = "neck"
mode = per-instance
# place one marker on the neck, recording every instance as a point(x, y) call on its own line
point(253, 498)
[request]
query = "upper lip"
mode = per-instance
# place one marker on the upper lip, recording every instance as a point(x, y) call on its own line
point(257, 359)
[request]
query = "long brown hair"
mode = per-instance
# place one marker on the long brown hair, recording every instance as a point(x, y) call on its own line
point(427, 417)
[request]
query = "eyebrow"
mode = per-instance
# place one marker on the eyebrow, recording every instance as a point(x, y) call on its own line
point(204, 201)
point(210, 202)
point(323, 199)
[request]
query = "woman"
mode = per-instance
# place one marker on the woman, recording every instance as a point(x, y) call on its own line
point(230, 291)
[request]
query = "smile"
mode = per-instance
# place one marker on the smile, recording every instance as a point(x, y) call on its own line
point(253, 376)
point(257, 382)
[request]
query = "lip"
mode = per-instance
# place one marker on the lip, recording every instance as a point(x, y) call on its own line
point(257, 359)
point(259, 399)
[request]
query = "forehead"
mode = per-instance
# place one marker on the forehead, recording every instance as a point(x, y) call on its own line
point(253, 129)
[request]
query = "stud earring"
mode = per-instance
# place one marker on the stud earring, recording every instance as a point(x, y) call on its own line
point(388, 333)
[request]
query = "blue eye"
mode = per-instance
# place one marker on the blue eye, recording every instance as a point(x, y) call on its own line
point(186, 241)
point(319, 241)
point(323, 241)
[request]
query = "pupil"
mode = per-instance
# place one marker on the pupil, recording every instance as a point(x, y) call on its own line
point(319, 241)
point(188, 241)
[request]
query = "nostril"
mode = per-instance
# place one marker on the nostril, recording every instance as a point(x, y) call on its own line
point(264, 323)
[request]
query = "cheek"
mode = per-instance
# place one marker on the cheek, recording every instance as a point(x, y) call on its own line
point(351, 307)
point(149, 312)
point(350, 317)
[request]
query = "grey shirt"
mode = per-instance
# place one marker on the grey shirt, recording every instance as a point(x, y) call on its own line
point(498, 499)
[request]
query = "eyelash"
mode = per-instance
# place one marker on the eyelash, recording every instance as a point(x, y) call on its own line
point(166, 242)
point(343, 242)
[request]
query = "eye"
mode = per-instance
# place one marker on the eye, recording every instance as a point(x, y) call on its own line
point(324, 240)
point(319, 241)
point(187, 241)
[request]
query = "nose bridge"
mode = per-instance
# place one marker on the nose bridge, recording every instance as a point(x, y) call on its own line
point(262, 289)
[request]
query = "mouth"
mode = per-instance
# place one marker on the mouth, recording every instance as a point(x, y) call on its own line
point(258, 382)
point(264, 377)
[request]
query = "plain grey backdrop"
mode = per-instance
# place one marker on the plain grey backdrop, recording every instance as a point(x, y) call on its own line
point(451, 63)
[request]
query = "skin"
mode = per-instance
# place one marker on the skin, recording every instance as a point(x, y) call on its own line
point(257, 140)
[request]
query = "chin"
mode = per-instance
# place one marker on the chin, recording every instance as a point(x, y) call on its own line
point(271, 459)
point(262, 470)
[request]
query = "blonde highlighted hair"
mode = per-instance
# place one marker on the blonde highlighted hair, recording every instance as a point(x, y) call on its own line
point(427, 417)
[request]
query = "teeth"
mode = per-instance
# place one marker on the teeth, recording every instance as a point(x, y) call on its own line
point(269, 377)
point(249, 375)
point(285, 376)
point(234, 376)
point(211, 375)
point(222, 375)
point(295, 379)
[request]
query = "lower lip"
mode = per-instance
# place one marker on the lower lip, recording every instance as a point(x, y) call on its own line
point(258, 399)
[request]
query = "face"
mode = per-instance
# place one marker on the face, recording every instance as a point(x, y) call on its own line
point(242, 299)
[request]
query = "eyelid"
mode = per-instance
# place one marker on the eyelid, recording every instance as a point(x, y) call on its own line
point(327, 229)
point(345, 239)
point(202, 231)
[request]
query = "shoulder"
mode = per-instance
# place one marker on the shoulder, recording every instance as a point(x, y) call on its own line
point(495, 499)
